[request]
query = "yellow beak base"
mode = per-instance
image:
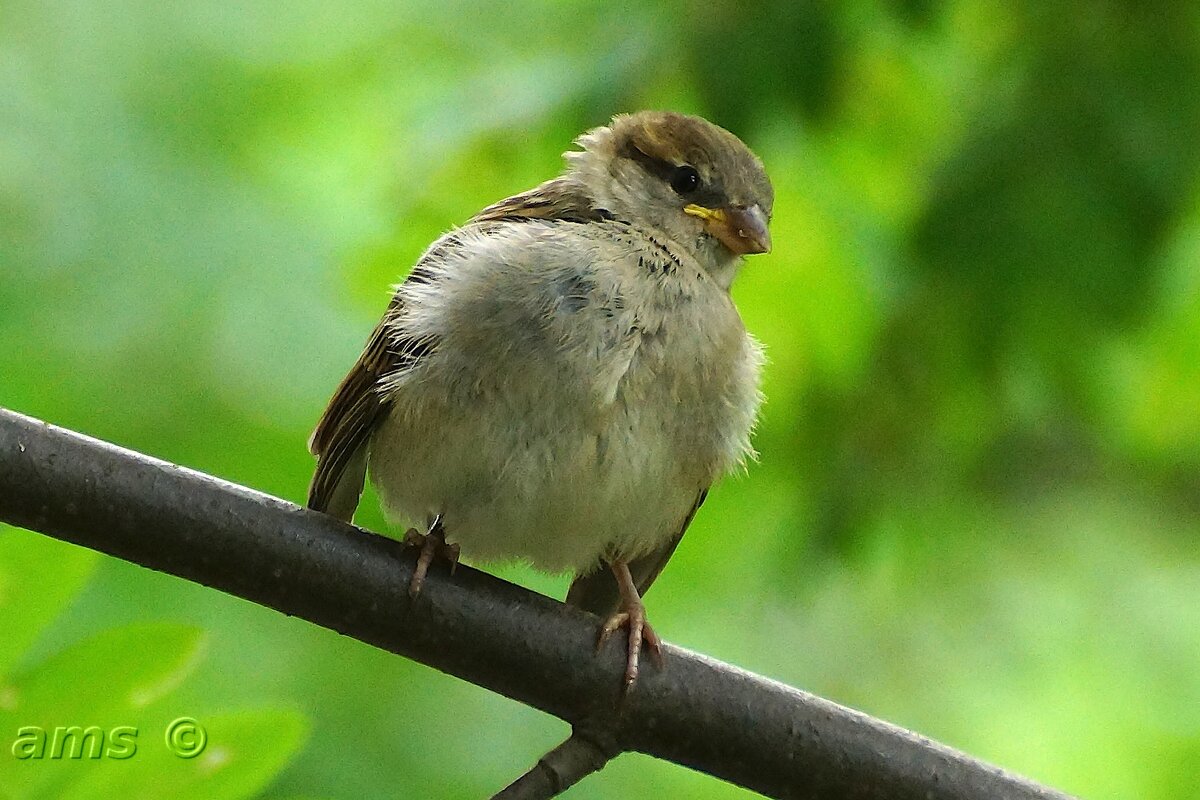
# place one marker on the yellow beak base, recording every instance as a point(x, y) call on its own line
point(742, 230)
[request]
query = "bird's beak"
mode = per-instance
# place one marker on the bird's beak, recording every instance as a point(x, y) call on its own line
point(743, 230)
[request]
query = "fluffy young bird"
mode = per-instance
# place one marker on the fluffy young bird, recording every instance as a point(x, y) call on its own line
point(562, 378)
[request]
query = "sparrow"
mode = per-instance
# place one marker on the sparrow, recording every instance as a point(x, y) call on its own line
point(562, 378)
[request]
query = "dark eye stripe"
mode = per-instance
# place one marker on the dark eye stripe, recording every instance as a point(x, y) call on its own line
point(708, 195)
point(658, 167)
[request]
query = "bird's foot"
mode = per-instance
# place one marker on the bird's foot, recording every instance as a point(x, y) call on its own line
point(432, 545)
point(632, 615)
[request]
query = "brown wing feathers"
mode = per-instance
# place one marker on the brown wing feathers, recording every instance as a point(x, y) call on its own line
point(557, 199)
point(343, 435)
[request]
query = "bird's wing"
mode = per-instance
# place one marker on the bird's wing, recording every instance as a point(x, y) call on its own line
point(597, 590)
point(342, 436)
point(340, 439)
point(559, 199)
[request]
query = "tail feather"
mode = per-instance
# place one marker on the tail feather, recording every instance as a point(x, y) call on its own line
point(340, 498)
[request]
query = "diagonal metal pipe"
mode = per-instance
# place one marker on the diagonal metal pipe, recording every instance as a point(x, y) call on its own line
point(698, 712)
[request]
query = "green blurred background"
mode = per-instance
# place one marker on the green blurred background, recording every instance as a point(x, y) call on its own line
point(976, 508)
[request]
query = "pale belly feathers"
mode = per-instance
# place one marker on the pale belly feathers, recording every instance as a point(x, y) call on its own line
point(573, 406)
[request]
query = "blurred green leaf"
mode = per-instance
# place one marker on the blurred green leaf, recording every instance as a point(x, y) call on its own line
point(39, 577)
point(106, 681)
point(244, 752)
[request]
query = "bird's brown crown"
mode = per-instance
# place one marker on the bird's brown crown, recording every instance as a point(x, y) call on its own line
point(665, 140)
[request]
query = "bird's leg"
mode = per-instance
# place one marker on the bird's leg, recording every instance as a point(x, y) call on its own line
point(432, 545)
point(632, 615)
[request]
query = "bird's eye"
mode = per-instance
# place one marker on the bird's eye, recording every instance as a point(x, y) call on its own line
point(685, 179)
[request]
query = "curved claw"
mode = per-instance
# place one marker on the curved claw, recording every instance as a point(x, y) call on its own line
point(432, 545)
point(632, 616)
point(610, 626)
point(639, 632)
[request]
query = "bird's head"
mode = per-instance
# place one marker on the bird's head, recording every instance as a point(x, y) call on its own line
point(682, 175)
